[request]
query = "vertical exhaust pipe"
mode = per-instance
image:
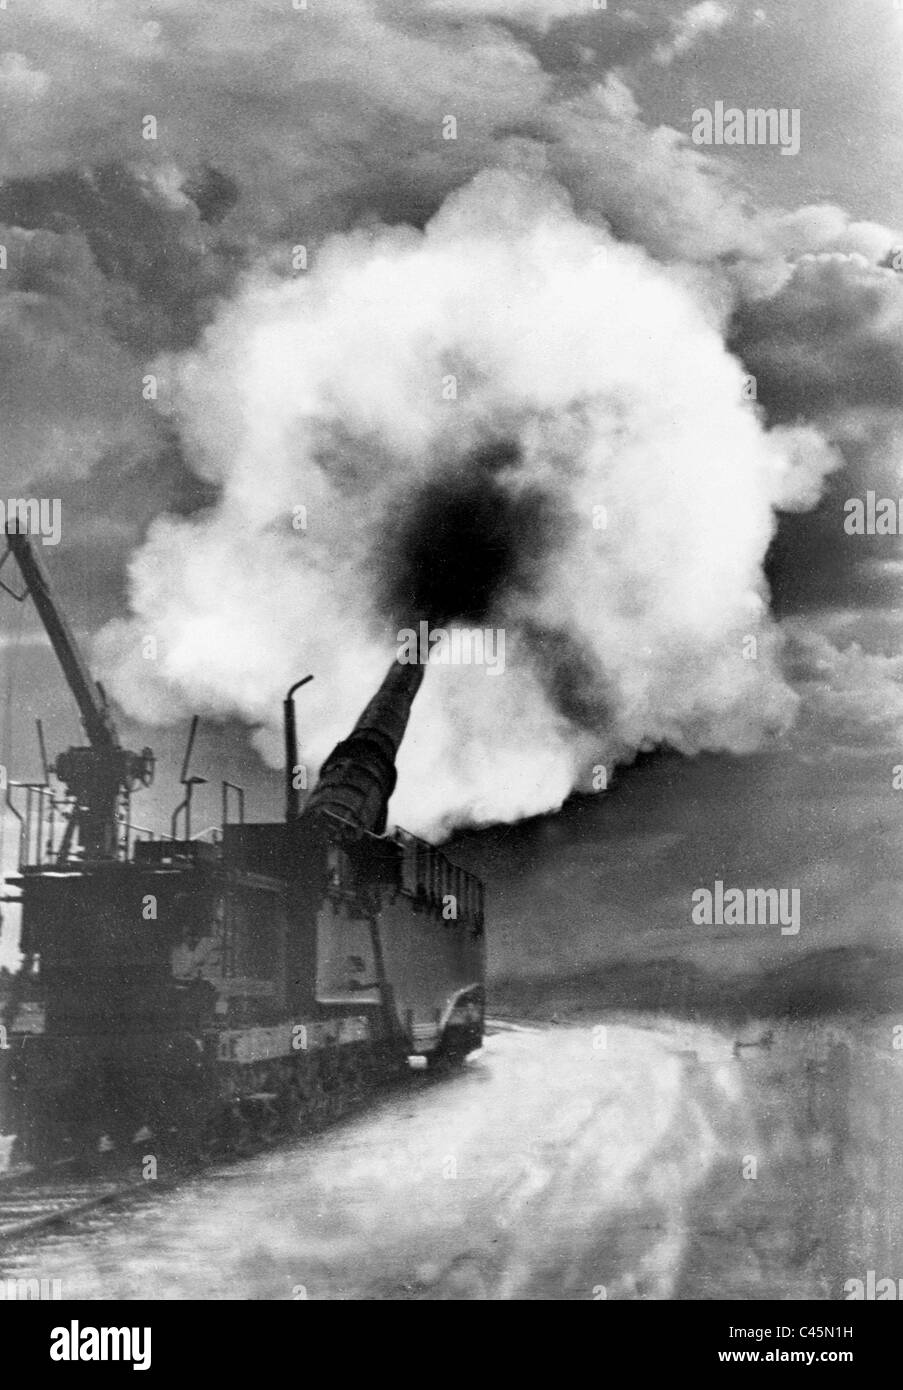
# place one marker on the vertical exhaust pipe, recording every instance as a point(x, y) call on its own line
point(292, 799)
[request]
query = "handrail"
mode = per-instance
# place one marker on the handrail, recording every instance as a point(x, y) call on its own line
point(240, 794)
point(19, 817)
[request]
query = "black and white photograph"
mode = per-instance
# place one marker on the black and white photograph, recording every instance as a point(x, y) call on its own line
point(451, 661)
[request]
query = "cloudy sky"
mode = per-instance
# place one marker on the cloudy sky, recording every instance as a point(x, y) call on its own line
point(600, 287)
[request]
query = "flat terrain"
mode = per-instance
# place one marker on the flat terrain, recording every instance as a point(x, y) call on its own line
point(564, 1162)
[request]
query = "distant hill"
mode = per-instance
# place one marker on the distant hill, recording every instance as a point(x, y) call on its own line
point(841, 979)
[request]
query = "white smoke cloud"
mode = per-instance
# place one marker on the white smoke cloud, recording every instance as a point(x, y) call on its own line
point(540, 14)
point(704, 18)
point(326, 393)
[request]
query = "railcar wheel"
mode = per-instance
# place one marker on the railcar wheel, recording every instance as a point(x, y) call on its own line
point(330, 1103)
point(450, 1055)
point(305, 1097)
point(42, 1141)
point(242, 1137)
point(199, 1137)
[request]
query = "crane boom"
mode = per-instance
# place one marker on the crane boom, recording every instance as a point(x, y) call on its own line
point(89, 697)
point(101, 777)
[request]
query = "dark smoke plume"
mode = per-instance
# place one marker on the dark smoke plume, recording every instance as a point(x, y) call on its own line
point(466, 539)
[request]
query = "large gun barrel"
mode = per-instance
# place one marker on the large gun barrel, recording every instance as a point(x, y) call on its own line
point(358, 778)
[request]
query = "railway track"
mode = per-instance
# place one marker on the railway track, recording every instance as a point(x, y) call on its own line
point(34, 1198)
